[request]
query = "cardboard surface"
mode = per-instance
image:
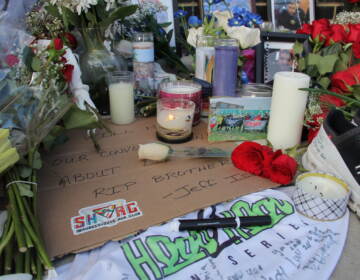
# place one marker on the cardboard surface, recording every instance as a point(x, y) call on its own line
point(118, 195)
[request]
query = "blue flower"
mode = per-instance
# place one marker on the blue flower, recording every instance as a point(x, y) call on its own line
point(213, 2)
point(244, 77)
point(239, 10)
point(180, 13)
point(235, 21)
point(194, 21)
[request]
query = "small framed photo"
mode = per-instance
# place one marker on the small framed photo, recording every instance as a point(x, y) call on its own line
point(210, 7)
point(291, 14)
point(274, 54)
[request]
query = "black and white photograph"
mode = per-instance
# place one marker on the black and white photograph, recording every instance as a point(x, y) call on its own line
point(291, 14)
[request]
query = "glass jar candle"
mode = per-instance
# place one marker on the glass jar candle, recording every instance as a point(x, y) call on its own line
point(121, 93)
point(205, 57)
point(185, 90)
point(226, 66)
point(143, 61)
point(174, 120)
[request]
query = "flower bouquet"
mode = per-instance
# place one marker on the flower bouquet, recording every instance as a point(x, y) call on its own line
point(37, 81)
point(332, 60)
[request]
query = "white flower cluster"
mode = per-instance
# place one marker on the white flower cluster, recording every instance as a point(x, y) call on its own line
point(347, 17)
point(147, 7)
point(79, 6)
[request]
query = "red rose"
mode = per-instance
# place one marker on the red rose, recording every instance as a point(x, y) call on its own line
point(320, 27)
point(338, 34)
point(316, 120)
point(329, 100)
point(70, 40)
point(354, 33)
point(67, 72)
point(248, 156)
point(353, 1)
point(312, 132)
point(305, 29)
point(343, 79)
point(356, 49)
point(11, 60)
point(58, 44)
point(282, 169)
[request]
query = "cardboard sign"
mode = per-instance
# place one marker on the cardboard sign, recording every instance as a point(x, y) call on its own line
point(103, 198)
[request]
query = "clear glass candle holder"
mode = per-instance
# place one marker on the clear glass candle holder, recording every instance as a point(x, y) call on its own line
point(174, 120)
point(121, 94)
point(183, 90)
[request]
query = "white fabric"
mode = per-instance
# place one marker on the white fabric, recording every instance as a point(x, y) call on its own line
point(294, 248)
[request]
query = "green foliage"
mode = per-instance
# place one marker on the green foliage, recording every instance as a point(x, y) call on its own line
point(118, 14)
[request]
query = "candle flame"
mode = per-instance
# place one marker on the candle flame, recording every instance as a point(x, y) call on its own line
point(171, 117)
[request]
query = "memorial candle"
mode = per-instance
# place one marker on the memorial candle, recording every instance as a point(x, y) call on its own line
point(174, 119)
point(205, 54)
point(287, 111)
point(226, 62)
point(121, 92)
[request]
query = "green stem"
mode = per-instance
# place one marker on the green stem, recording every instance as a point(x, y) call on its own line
point(9, 252)
point(324, 91)
point(38, 244)
point(39, 269)
point(19, 262)
point(27, 263)
point(33, 263)
point(28, 241)
point(16, 218)
point(6, 238)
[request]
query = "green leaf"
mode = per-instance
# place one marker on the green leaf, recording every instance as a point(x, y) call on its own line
point(165, 24)
point(301, 64)
point(53, 10)
point(312, 71)
point(76, 118)
point(28, 56)
point(118, 14)
point(298, 48)
point(327, 63)
point(332, 49)
point(25, 172)
point(325, 82)
point(36, 64)
point(37, 163)
point(91, 17)
point(313, 59)
point(356, 91)
point(25, 190)
point(55, 137)
point(73, 18)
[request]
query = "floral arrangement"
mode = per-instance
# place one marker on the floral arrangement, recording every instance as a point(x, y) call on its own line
point(332, 60)
point(262, 161)
point(238, 24)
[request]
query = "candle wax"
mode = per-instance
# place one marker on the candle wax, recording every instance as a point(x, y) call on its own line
point(322, 187)
point(122, 102)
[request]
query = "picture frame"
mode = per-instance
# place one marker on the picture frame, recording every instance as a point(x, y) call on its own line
point(274, 54)
point(209, 8)
point(290, 14)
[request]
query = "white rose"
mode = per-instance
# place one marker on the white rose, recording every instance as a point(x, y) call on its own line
point(222, 18)
point(247, 37)
point(193, 35)
point(153, 151)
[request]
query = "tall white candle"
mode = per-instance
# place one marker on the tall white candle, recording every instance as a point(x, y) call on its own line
point(122, 102)
point(203, 58)
point(288, 105)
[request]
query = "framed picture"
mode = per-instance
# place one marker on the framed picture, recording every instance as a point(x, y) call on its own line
point(274, 54)
point(209, 7)
point(291, 14)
